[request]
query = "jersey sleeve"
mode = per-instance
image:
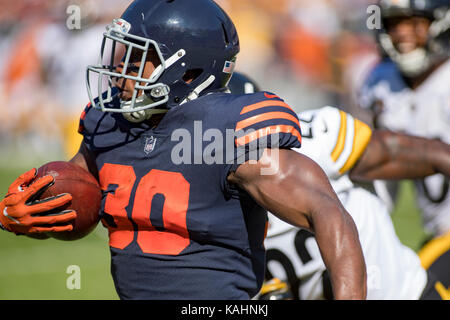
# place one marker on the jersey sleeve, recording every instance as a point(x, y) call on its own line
point(264, 121)
point(92, 122)
point(334, 139)
point(383, 78)
point(92, 119)
point(82, 124)
point(269, 120)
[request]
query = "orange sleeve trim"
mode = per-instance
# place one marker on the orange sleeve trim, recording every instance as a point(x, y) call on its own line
point(265, 116)
point(266, 103)
point(268, 131)
point(83, 115)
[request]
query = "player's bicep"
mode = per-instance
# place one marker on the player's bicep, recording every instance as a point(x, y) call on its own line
point(288, 184)
point(392, 155)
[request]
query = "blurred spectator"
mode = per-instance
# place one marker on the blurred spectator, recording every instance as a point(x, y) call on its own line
point(309, 52)
point(42, 69)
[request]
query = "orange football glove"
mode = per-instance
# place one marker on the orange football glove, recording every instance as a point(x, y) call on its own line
point(22, 213)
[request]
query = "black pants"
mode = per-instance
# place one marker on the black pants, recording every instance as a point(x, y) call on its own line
point(435, 257)
point(431, 289)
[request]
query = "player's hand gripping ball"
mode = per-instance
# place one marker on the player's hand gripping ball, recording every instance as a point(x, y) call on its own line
point(86, 196)
point(22, 212)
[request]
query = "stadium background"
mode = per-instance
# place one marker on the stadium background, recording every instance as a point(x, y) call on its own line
point(312, 53)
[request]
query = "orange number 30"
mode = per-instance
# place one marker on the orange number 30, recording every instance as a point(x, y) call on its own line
point(171, 185)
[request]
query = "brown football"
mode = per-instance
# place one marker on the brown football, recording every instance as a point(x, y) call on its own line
point(86, 196)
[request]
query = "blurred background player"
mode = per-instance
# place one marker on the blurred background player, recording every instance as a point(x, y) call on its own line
point(348, 151)
point(408, 91)
point(45, 47)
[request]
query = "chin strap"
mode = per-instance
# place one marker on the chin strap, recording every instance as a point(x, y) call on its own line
point(143, 100)
point(196, 93)
point(143, 115)
point(140, 116)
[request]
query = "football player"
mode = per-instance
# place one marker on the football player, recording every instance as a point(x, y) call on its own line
point(182, 223)
point(408, 91)
point(349, 151)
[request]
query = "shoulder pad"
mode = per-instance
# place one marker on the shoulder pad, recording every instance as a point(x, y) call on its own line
point(334, 139)
point(265, 114)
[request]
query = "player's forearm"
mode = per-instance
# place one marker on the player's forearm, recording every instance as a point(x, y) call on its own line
point(335, 232)
point(394, 170)
point(393, 156)
point(338, 240)
point(420, 157)
point(439, 157)
point(301, 195)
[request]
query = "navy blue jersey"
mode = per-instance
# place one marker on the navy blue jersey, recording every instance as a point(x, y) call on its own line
point(178, 229)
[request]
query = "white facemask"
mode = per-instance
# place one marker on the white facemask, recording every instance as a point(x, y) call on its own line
point(411, 64)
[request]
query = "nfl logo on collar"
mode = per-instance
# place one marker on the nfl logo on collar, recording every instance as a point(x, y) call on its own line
point(149, 144)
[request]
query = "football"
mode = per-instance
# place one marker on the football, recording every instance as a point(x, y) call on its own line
point(86, 196)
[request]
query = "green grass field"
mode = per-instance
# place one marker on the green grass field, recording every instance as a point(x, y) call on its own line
point(37, 269)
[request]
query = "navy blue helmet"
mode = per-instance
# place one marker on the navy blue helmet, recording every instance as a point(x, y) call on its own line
point(194, 37)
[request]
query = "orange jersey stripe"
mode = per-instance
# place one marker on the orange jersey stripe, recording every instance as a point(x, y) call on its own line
point(265, 116)
point(270, 96)
point(83, 114)
point(268, 131)
point(266, 103)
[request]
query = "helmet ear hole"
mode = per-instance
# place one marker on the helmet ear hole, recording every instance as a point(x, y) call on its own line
point(191, 75)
